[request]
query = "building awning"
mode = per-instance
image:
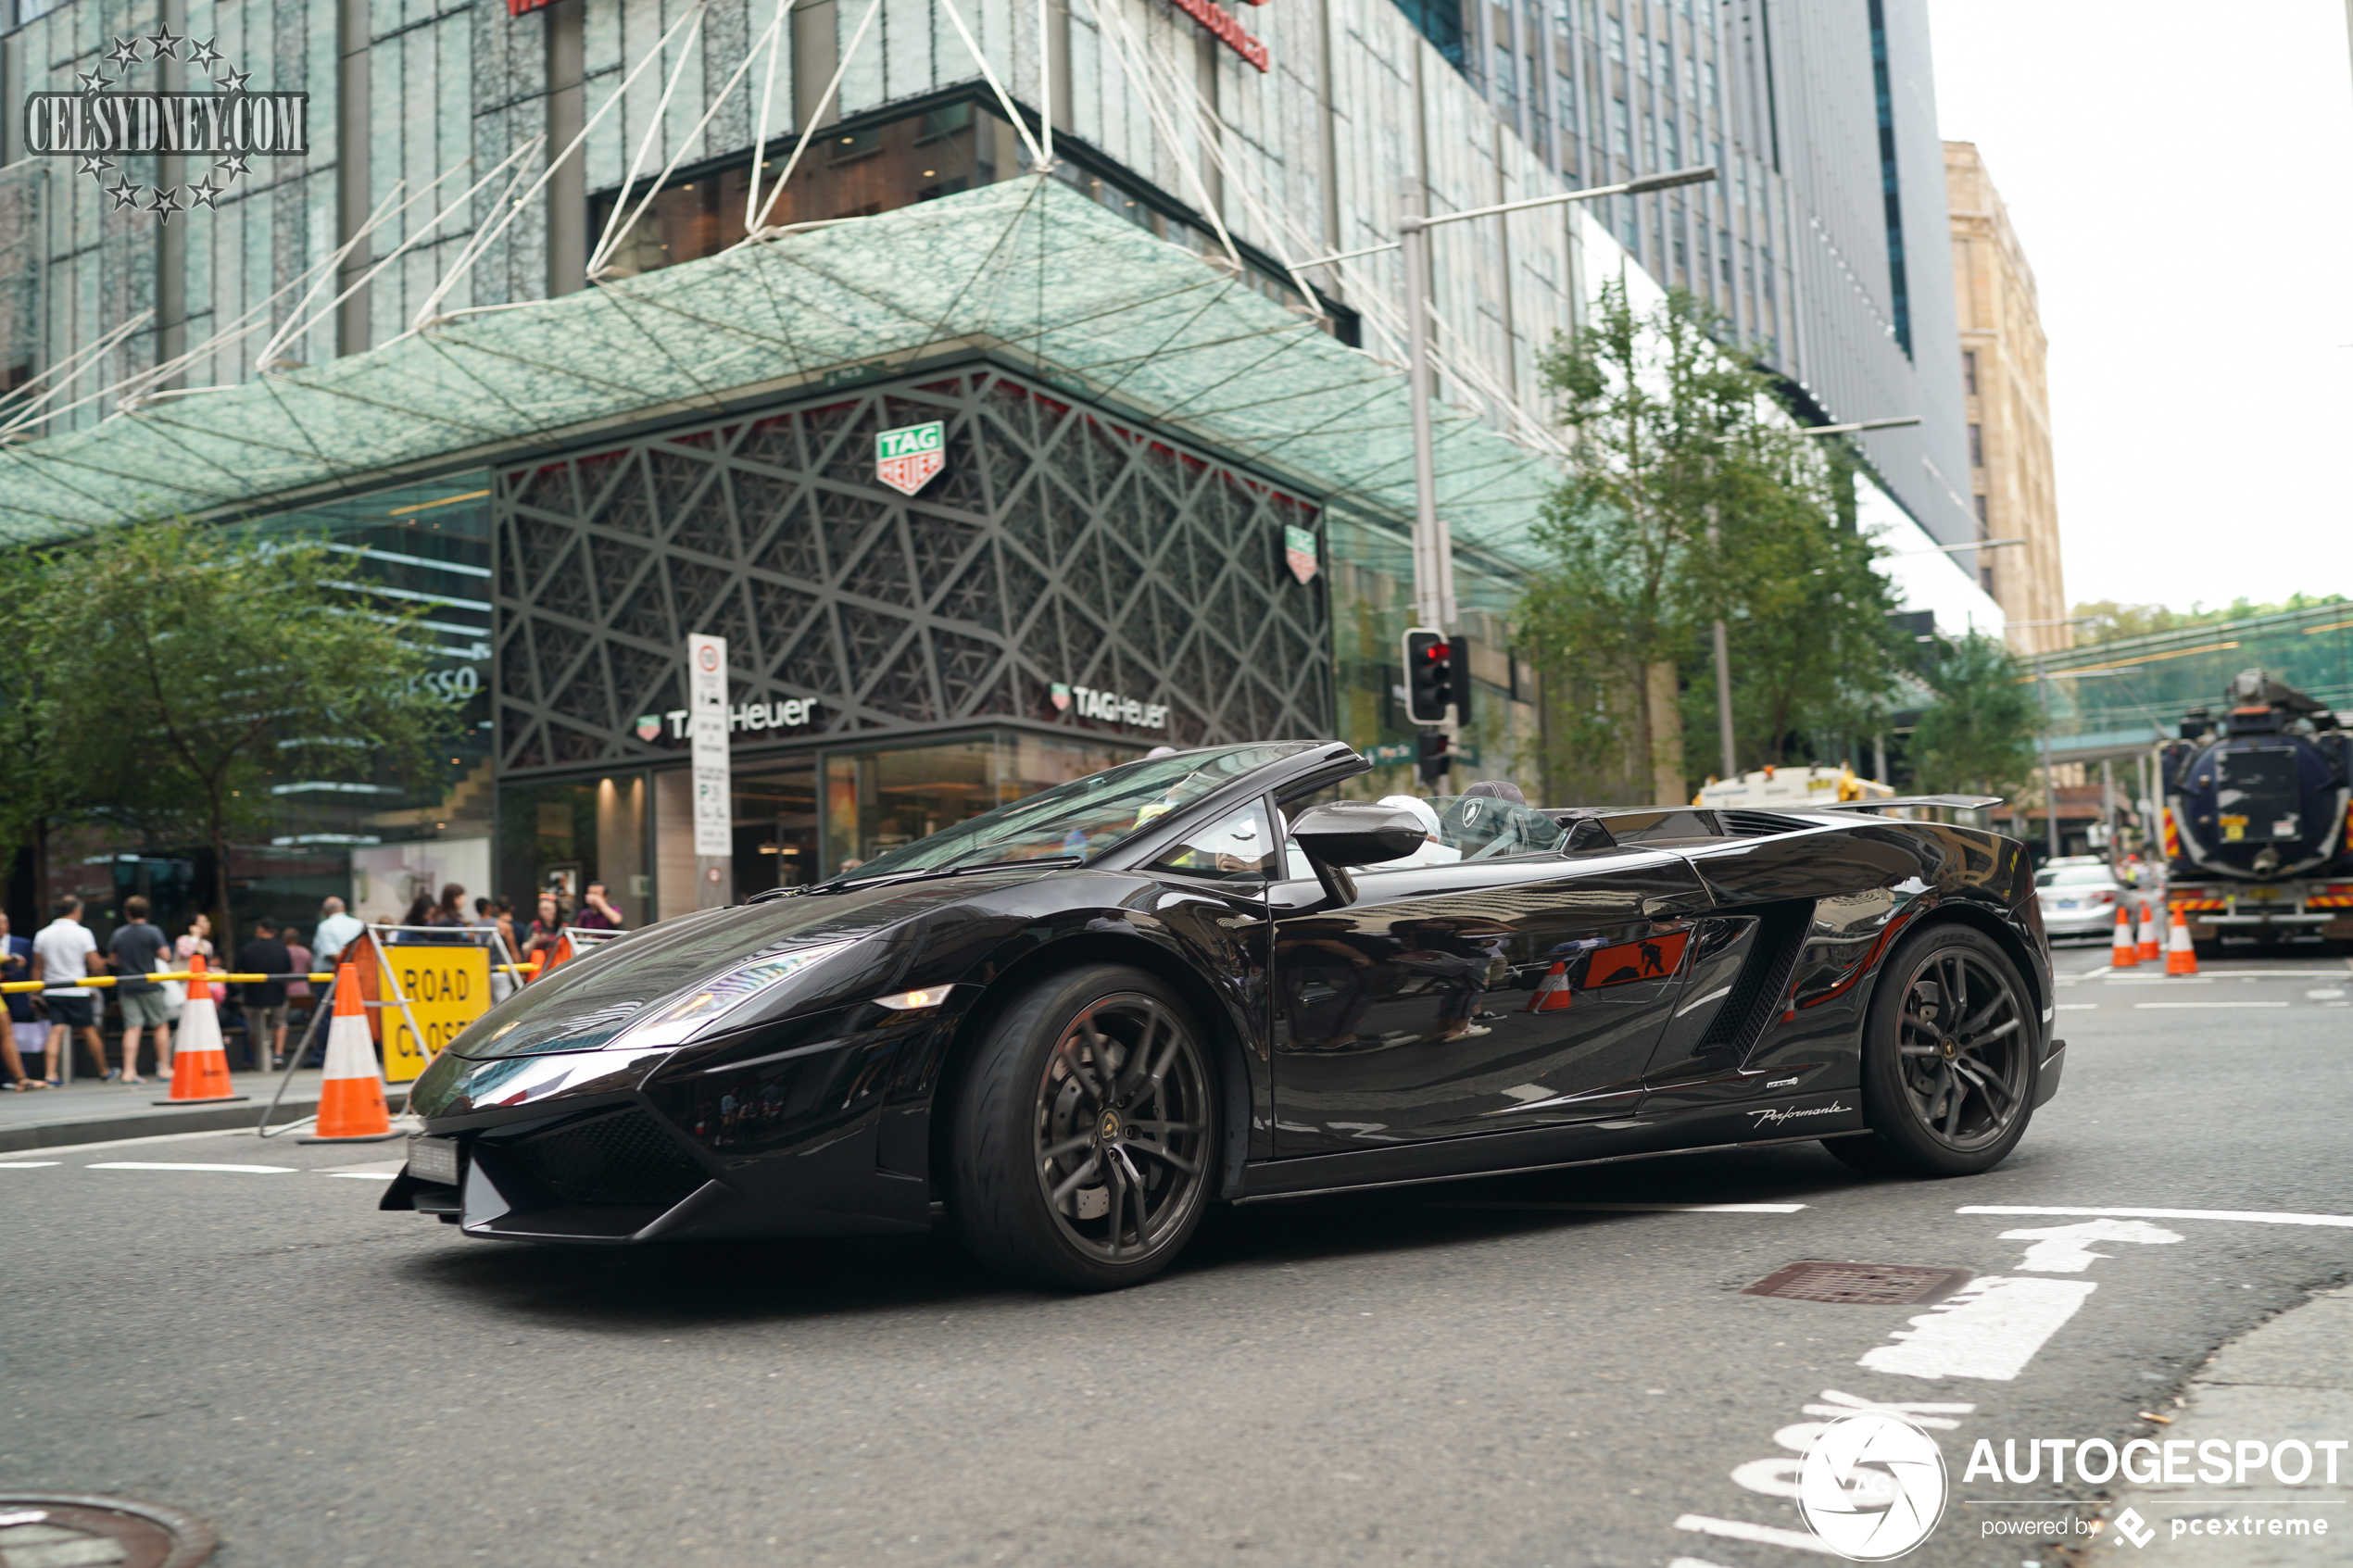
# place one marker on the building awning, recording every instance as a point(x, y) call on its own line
point(1030, 270)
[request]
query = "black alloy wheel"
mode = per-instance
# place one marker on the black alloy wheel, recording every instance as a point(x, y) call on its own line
point(1082, 1142)
point(1949, 1058)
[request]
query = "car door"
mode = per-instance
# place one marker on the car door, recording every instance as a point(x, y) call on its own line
point(1482, 996)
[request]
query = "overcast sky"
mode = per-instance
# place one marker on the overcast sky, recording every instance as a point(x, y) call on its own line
point(2182, 178)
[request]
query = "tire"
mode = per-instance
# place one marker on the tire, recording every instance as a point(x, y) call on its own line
point(1939, 1100)
point(1053, 1177)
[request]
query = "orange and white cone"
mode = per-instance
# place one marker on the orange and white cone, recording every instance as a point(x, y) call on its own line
point(2152, 943)
point(1552, 992)
point(351, 1098)
point(2126, 952)
point(2181, 958)
point(200, 1065)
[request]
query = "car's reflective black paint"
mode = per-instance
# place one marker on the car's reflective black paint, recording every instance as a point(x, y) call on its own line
point(1718, 974)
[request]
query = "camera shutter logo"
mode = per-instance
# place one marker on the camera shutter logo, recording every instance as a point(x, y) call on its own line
point(1872, 1486)
point(106, 122)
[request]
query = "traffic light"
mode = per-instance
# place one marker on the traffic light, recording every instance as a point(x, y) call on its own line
point(1430, 676)
point(1433, 762)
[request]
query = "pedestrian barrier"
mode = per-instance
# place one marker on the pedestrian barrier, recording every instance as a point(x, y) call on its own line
point(2126, 953)
point(2152, 944)
point(216, 977)
point(2181, 956)
point(200, 1065)
point(351, 1098)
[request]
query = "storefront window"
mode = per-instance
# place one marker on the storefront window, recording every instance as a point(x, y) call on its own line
point(775, 816)
point(876, 801)
point(563, 838)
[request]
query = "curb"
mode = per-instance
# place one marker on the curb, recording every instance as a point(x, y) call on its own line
point(2291, 1377)
point(111, 1129)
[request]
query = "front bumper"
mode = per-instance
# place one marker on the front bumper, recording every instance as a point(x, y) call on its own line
point(803, 1129)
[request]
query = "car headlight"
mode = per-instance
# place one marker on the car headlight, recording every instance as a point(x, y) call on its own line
point(709, 1007)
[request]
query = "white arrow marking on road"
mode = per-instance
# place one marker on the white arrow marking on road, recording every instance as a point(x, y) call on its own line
point(1638, 1208)
point(2065, 1250)
point(2251, 1216)
point(1990, 1328)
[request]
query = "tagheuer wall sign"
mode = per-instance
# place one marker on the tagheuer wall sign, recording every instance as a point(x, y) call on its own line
point(1222, 25)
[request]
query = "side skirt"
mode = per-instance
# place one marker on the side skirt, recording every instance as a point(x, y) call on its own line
point(1711, 1130)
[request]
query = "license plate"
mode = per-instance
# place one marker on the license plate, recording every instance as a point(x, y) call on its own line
point(2261, 894)
point(433, 1159)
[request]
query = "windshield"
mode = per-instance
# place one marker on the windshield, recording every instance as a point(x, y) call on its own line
point(1082, 818)
point(2074, 876)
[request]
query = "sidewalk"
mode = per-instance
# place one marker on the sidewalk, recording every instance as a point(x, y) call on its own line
point(89, 1111)
point(2290, 1379)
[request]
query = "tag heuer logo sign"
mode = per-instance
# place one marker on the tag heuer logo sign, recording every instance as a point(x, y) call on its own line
point(908, 459)
point(1299, 553)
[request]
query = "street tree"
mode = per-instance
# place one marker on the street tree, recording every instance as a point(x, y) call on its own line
point(1692, 498)
point(191, 666)
point(1978, 735)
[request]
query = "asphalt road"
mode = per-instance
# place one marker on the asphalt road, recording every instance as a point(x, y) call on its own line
point(1377, 1380)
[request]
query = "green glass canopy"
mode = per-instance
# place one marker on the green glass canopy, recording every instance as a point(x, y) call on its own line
point(1029, 269)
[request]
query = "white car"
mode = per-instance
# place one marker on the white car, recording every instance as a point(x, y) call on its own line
point(2080, 900)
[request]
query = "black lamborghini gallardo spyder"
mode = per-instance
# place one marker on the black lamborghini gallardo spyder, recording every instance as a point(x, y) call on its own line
point(1072, 1023)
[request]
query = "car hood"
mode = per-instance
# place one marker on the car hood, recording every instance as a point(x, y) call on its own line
point(582, 1005)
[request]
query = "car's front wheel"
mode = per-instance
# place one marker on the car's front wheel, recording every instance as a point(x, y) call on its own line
point(1949, 1058)
point(1082, 1136)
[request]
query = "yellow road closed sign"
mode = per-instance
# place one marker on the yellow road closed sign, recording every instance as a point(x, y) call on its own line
point(448, 987)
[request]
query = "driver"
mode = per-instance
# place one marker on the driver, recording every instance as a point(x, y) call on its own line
point(1434, 851)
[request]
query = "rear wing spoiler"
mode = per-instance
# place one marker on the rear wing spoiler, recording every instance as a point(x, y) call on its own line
point(1951, 802)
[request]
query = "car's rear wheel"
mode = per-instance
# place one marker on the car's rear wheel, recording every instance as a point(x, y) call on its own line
point(1083, 1134)
point(1949, 1058)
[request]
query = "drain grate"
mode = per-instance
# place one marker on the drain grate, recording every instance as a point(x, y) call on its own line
point(1861, 1284)
point(58, 1529)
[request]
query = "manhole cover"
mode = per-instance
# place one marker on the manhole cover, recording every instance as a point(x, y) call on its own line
point(1862, 1285)
point(70, 1530)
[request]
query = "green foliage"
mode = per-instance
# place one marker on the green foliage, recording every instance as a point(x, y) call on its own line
point(1978, 736)
point(2109, 620)
point(183, 669)
point(1689, 501)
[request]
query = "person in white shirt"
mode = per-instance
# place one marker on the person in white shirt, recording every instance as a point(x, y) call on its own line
point(62, 952)
point(334, 934)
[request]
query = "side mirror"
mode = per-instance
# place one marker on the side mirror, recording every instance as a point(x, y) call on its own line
point(1358, 833)
point(1354, 833)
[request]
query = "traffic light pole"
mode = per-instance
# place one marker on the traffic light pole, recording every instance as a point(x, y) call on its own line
point(1433, 547)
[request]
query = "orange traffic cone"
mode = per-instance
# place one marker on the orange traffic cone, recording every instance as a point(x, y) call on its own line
point(351, 1100)
point(2152, 946)
point(2126, 952)
point(2181, 958)
point(200, 1066)
point(1552, 992)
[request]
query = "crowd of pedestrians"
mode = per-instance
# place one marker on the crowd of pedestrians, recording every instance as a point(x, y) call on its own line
point(44, 1027)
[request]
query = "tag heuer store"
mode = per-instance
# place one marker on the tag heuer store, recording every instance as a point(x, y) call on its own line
point(936, 593)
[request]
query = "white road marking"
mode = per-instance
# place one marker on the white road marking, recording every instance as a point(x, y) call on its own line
point(1641, 1206)
point(369, 1171)
point(363, 1175)
point(132, 1143)
point(1767, 1535)
point(168, 1165)
point(2252, 1216)
point(25, 1164)
point(1693, 1562)
point(2160, 980)
point(2078, 1007)
point(2327, 994)
point(1990, 1328)
point(2209, 1004)
point(2067, 1249)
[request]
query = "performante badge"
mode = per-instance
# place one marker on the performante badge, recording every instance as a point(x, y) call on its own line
point(1299, 553)
point(910, 458)
point(649, 725)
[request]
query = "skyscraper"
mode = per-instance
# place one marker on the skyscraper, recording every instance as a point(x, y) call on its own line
point(1821, 239)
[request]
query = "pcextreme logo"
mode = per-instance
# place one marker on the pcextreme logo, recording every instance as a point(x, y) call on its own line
point(1872, 1486)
